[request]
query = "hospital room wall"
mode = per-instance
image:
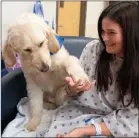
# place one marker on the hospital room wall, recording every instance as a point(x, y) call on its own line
point(12, 9)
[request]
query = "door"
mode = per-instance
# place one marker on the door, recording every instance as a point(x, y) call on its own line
point(71, 18)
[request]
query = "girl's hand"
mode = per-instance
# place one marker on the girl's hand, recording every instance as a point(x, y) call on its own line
point(75, 86)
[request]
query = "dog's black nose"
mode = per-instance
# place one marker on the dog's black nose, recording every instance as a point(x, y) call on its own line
point(44, 67)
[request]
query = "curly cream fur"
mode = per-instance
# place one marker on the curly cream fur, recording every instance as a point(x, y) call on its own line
point(27, 34)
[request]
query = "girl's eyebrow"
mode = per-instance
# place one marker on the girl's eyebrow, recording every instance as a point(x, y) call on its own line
point(109, 30)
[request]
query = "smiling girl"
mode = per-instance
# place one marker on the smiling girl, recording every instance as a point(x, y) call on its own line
point(113, 61)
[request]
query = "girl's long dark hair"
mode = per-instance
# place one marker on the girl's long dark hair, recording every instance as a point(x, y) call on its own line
point(126, 14)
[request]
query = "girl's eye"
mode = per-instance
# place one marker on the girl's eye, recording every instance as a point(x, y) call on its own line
point(28, 50)
point(112, 33)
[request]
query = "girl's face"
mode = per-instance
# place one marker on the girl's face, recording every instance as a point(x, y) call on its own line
point(112, 37)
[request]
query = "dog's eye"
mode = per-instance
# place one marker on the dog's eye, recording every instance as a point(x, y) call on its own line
point(40, 45)
point(28, 50)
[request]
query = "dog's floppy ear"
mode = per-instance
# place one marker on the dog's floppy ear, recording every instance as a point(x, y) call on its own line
point(9, 55)
point(53, 44)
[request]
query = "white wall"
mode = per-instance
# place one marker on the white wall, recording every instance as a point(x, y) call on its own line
point(94, 9)
point(12, 9)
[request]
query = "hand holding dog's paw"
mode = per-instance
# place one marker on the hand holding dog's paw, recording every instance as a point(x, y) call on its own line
point(79, 85)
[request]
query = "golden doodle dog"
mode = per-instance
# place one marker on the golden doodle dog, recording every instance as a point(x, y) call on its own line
point(33, 40)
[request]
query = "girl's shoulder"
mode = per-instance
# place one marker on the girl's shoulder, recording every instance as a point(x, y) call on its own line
point(93, 47)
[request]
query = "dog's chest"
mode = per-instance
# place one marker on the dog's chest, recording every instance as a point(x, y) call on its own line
point(49, 82)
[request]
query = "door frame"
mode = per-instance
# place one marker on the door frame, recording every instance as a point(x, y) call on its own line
point(82, 23)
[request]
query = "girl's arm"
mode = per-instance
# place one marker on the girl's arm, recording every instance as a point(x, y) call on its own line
point(91, 130)
point(87, 131)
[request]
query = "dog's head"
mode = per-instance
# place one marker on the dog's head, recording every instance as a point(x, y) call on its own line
point(33, 40)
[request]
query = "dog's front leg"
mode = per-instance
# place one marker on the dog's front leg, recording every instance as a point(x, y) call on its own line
point(35, 96)
point(61, 95)
point(75, 70)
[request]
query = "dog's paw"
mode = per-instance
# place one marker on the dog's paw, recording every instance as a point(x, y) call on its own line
point(33, 124)
point(84, 78)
